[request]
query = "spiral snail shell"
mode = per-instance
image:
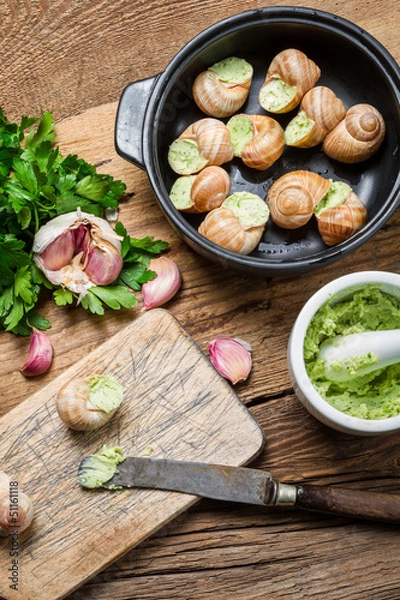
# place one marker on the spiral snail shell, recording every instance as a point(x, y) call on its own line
point(320, 112)
point(357, 137)
point(87, 403)
point(338, 223)
point(290, 75)
point(223, 88)
point(16, 508)
point(202, 191)
point(293, 197)
point(258, 140)
point(238, 224)
point(205, 142)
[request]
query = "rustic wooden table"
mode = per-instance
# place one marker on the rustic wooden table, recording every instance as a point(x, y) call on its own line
point(74, 58)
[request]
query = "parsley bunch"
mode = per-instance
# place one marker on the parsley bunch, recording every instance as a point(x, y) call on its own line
point(37, 183)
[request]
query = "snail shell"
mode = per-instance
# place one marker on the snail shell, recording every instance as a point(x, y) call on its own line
point(223, 228)
point(324, 109)
point(219, 97)
point(211, 140)
point(292, 198)
point(341, 222)
point(357, 137)
point(75, 409)
point(23, 514)
point(293, 68)
point(266, 144)
point(202, 191)
point(210, 188)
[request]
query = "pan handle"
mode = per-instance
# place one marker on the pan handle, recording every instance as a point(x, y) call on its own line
point(376, 506)
point(130, 120)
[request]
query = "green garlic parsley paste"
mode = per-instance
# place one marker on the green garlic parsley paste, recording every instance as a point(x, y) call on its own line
point(372, 396)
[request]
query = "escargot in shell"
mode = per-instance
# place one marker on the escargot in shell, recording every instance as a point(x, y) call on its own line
point(357, 137)
point(257, 139)
point(290, 75)
point(223, 88)
point(201, 192)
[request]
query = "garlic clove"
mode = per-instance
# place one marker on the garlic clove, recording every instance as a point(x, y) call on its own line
point(104, 264)
point(40, 355)
point(161, 289)
point(231, 357)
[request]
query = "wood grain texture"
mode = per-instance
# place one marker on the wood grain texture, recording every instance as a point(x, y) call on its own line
point(74, 57)
point(174, 403)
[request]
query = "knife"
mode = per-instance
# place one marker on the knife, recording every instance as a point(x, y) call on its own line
point(250, 486)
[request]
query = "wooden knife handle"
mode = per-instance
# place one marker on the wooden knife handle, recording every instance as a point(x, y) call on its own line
point(375, 506)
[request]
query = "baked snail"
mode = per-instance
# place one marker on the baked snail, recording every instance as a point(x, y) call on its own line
point(290, 75)
point(320, 112)
point(238, 224)
point(293, 197)
point(257, 139)
point(357, 137)
point(201, 192)
point(223, 88)
point(341, 219)
point(205, 142)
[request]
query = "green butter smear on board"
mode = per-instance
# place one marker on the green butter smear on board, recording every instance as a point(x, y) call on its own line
point(372, 396)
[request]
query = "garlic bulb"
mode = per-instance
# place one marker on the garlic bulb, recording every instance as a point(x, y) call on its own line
point(340, 219)
point(290, 75)
point(231, 357)
point(160, 290)
point(357, 137)
point(202, 191)
point(222, 89)
point(40, 355)
point(77, 250)
point(16, 508)
point(320, 112)
point(87, 403)
point(205, 142)
point(293, 197)
point(237, 225)
point(257, 139)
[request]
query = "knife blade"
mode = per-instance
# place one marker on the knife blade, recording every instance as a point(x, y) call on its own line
point(251, 486)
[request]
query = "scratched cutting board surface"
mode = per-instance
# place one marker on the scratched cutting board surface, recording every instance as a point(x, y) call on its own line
point(174, 403)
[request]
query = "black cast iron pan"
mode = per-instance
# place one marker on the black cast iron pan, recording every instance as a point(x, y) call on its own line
point(153, 112)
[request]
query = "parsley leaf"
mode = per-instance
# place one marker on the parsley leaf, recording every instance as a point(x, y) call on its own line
point(37, 183)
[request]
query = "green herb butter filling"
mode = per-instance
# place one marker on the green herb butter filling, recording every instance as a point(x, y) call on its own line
point(276, 95)
point(233, 70)
point(185, 158)
point(250, 209)
point(97, 469)
point(372, 396)
point(298, 128)
point(180, 194)
point(241, 131)
point(335, 196)
point(105, 392)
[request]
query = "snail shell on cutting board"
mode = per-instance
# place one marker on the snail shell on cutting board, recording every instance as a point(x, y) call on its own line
point(293, 72)
point(10, 519)
point(293, 197)
point(357, 137)
point(339, 223)
point(221, 97)
point(321, 111)
point(223, 228)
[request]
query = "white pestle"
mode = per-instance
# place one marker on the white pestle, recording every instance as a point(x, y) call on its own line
point(357, 354)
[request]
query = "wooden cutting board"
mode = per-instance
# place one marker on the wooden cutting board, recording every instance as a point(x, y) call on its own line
point(175, 404)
